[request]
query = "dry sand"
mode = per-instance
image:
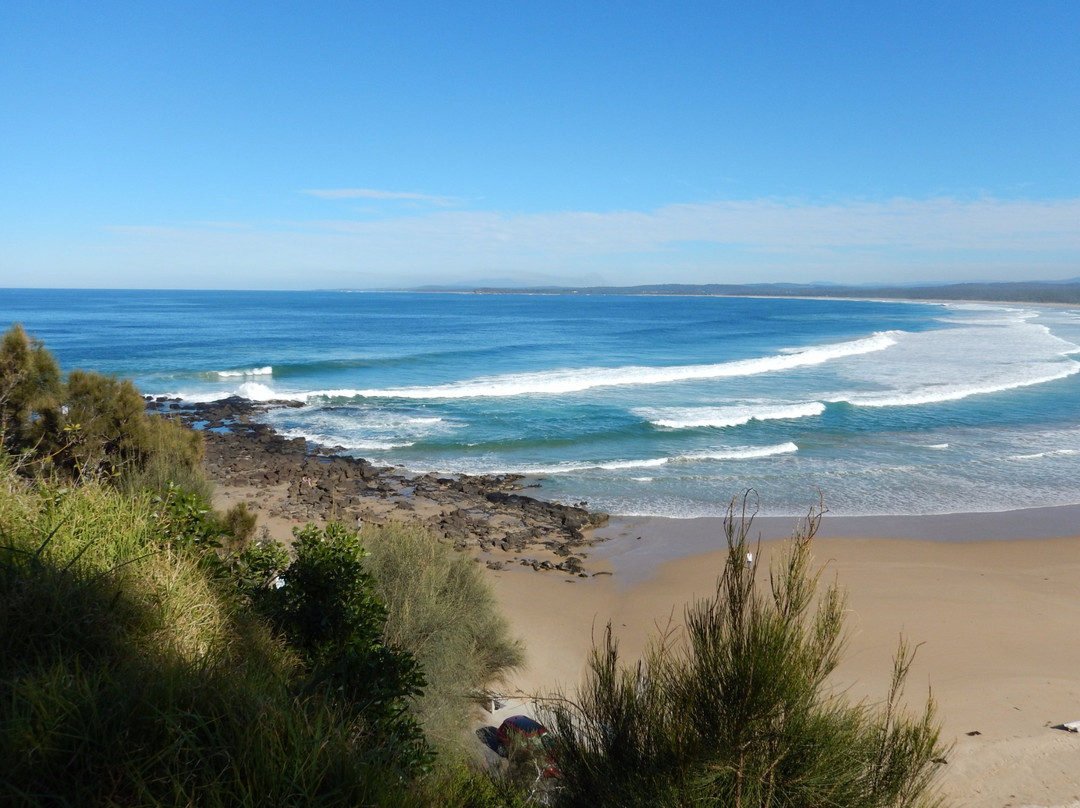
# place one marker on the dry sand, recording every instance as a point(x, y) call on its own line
point(992, 599)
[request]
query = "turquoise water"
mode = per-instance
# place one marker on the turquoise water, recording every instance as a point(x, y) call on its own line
point(639, 405)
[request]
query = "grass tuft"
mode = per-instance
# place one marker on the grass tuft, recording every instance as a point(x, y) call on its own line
point(441, 609)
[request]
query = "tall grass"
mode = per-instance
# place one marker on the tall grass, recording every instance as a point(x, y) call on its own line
point(441, 609)
point(170, 456)
point(128, 678)
point(735, 710)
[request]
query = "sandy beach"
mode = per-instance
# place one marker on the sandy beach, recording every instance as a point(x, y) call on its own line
point(991, 599)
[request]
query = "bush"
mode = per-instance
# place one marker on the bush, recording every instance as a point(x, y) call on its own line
point(736, 712)
point(239, 524)
point(325, 606)
point(29, 385)
point(99, 429)
point(91, 427)
point(461, 786)
point(170, 457)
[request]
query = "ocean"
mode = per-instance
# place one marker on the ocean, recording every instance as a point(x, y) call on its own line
point(639, 406)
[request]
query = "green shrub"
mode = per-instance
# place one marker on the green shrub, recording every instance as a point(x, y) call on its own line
point(99, 429)
point(90, 427)
point(462, 786)
point(736, 711)
point(170, 457)
point(239, 524)
point(325, 605)
point(29, 385)
point(186, 521)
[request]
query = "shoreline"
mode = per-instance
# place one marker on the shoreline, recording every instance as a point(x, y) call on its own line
point(291, 481)
point(632, 558)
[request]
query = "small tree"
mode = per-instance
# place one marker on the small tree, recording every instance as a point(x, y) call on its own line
point(91, 427)
point(239, 524)
point(29, 385)
point(441, 609)
point(99, 430)
point(736, 711)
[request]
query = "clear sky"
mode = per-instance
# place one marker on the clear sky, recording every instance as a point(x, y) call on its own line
point(218, 144)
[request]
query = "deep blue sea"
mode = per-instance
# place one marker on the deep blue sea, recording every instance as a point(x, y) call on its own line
point(662, 406)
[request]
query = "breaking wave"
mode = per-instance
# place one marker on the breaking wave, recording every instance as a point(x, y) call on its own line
point(719, 417)
point(263, 371)
point(575, 380)
point(546, 470)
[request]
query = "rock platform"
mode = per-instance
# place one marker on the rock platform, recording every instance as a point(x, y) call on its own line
point(302, 482)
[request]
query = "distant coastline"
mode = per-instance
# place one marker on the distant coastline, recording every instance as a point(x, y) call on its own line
point(1065, 292)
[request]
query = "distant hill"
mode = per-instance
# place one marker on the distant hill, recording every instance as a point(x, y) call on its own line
point(1062, 292)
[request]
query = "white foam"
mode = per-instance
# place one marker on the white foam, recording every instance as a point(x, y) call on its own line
point(937, 394)
point(194, 398)
point(264, 371)
point(1001, 350)
point(553, 469)
point(719, 417)
point(745, 453)
point(359, 428)
point(254, 391)
point(575, 380)
point(359, 444)
point(1050, 453)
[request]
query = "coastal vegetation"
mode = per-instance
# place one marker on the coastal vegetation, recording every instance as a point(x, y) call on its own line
point(88, 426)
point(132, 676)
point(736, 709)
point(441, 609)
point(154, 654)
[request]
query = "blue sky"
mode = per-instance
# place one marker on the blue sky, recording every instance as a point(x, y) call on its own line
point(372, 145)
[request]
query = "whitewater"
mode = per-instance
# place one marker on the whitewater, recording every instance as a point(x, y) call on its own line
point(639, 405)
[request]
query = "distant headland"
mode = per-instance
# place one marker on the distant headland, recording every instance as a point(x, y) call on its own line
point(1064, 292)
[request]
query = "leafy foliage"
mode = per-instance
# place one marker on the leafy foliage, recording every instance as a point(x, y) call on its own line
point(170, 456)
point(187, 522)
point(325, 605)
point(736, 711)
point(239, 524)
point(29, 385)
point(100, 429)
point(89, 427)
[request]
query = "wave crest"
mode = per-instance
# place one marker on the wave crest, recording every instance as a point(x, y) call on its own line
point(720, 417)
point(733, 453)
point(575, 380)
point(263, 371)
point(942, 393)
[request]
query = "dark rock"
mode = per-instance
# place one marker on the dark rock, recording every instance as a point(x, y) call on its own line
point(473, 511)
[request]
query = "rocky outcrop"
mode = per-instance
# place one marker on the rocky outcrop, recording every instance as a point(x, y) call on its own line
point(317, 484)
